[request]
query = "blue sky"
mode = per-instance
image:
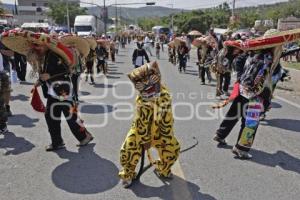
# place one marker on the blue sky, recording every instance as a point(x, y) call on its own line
point(184, 4)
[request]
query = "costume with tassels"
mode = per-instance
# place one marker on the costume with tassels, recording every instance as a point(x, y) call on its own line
point(247, 95)
point(54, 61)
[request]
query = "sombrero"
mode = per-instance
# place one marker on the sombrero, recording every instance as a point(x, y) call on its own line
point(267, 41)
point(195, 33)
point(103, 42)
point(199, 41)
point(171, 44)
point(81, 44)
point(179, 41)
point(15, 41)
point(53, 44)
point(92, 42)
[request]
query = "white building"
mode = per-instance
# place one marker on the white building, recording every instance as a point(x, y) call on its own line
point(34, 11)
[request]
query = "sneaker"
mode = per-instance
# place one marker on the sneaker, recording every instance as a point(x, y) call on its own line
point(86, 140)
point(219, 140)
point(241, 154)
point(202, 83)
point(54, 148)
point(126, 183)
point(3, 130)
point(262, 117)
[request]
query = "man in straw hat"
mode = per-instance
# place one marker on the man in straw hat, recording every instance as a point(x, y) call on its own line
point(152, 125)
point(248, 101)
point(54, 62)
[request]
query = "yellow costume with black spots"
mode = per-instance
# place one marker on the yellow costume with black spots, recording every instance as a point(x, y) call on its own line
point(153, 126)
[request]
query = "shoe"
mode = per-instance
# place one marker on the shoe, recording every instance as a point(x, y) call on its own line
point(219, 140)
point(169, 176)
point(126, 183)
point(262, 117)
point(218, 97)
point(202, 83)
point(54, 148)
point(86, 140)
point(3, 130)
point(227, 94)
point(241, 154)
point(8, 111)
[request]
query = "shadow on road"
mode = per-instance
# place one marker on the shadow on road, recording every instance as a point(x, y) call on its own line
point(84, 172)
point(276, 105)
point(15, 145)
point(20, 97)
point(112, 77)
point(280, 158)
point(172, 189)
point(22, 120)
point(101, 85)
point(115, 73)
point(96, 109)
point(286, 124)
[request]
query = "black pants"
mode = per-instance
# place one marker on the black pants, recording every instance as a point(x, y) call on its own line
point(90, 71)
point(202, 71)
point(237, 110)
point(54, 109)
point(21, 66)
point(223, 82)
point(100, 63)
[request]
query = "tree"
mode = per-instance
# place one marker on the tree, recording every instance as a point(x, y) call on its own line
point(58, 10)
point(2, 11)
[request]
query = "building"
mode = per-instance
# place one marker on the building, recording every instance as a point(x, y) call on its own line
point(34, 11)
point(288, 23)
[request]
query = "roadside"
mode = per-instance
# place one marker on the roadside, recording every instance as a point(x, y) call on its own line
point(290, 90)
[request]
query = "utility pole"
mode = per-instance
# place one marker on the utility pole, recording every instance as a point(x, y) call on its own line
point(172, 20)
point(116, 20)
point(105, 16)
point(68, 17)
point(233, 8)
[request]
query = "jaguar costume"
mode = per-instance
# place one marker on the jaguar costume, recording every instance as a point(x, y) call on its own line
point(152, 125)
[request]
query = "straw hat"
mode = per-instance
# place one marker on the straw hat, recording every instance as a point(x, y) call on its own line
point(269, 40)
point(81, 44)
point(15, 41)
point(92, 42)
point(178, 41)
point(171, 44)
point(54, 45)
point(103, 42)
point(21, 42)
point(195, 33)
point(200, 41)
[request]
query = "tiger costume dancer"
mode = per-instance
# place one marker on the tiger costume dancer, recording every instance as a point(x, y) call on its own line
point(152, 125)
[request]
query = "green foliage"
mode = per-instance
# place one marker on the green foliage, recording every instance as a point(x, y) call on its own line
point(58, 12)
point(219, 16)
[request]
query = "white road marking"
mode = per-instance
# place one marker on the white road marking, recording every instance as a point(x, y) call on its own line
point(288, 101)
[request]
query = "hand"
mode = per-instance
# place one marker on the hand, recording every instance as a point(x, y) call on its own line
point(45, 76)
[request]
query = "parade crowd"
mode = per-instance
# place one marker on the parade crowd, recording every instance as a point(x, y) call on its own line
point(59, 60)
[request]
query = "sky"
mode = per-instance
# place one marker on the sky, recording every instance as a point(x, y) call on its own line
point(182, 4)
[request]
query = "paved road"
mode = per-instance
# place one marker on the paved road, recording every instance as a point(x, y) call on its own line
point(206, 172)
